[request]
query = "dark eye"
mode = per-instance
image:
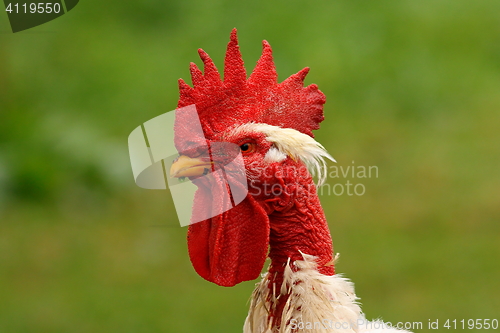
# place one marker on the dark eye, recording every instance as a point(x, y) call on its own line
point(245, 147)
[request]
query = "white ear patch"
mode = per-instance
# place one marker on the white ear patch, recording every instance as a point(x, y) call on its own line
point(292, 143)
point(274, 155)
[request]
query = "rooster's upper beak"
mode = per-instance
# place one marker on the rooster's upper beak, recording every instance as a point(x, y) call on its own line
point(189, 167)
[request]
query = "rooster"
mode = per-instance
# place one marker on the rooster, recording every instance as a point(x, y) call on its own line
point(271, 124)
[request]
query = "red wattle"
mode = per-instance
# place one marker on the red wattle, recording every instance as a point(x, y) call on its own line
point(229, 248)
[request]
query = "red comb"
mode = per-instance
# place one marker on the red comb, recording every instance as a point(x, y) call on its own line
point(260, 98)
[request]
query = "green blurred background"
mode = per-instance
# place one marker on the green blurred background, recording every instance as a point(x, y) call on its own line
point(413, 87)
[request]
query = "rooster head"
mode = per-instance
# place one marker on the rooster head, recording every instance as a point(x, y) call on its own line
point(271, 124)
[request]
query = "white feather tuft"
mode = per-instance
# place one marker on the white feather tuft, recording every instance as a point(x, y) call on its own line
point(292, 143)
point(317, 303)
point(274, 155)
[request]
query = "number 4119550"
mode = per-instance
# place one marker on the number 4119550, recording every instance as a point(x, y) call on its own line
point(472, 324)
point(33, 8)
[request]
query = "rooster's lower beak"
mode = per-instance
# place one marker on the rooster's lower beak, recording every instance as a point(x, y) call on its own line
point(189, 167)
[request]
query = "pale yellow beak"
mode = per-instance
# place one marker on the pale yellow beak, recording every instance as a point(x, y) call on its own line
point(189, 167)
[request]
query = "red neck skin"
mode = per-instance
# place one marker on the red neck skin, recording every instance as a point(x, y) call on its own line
point(298, 224)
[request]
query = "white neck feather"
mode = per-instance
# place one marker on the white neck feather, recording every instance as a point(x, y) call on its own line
point(317, 303)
